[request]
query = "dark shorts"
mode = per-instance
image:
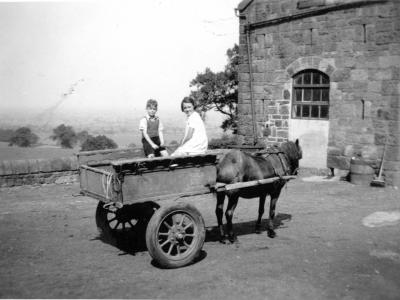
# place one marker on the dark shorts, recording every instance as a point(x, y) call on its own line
point(149, 150)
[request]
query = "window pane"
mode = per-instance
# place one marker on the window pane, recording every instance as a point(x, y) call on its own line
point(316, 95)
point(299, 79)
point(306, 111)
point(314, 111)
point(325, 95)
point(325, 79)
point(324, 112)
point(307, 95)
point(316, 78)
point(297, 94)
point(296, 111)
point(307, 78)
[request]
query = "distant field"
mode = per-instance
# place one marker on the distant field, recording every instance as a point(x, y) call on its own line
point(123, 140)
point(13, 153)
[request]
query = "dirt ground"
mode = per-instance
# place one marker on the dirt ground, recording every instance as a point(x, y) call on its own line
point(324, 249)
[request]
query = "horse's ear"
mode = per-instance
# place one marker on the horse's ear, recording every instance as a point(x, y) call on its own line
point(297, 142)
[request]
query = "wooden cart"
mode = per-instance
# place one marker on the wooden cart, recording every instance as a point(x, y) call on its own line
point(175, 233)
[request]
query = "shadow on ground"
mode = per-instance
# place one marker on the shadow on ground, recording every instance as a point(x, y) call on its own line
point(133, 240)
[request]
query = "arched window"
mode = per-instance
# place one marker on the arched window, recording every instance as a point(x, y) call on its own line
point(310, 95)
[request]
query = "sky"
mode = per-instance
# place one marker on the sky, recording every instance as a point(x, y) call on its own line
point(101, 55)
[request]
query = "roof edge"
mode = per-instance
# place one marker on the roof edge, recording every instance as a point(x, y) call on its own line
point(243, 5)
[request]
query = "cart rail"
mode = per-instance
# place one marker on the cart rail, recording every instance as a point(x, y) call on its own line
point(222, 187)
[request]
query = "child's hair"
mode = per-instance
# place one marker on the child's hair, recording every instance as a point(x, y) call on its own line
point(188, 100)
point(151, 103)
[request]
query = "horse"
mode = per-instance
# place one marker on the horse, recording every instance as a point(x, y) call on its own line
point(238, 166)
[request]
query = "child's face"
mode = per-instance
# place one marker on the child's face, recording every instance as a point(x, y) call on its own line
point(151, 110)
point(188, 108)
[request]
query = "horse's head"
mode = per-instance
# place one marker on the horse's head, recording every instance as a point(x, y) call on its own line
point(294, 153)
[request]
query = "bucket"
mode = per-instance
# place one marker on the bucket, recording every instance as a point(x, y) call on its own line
point(361, 173)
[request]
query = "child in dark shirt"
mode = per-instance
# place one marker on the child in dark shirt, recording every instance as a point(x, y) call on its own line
point(152, 132)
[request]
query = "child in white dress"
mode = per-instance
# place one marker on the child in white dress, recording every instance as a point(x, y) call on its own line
point(195, 140)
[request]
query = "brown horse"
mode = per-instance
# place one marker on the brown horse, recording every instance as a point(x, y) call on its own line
point(237, 166)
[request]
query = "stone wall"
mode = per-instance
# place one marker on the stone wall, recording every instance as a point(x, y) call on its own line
point(356, 43)
point(38, 171)
point(58, 170)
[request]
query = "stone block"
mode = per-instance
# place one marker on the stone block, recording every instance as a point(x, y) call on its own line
point(383, 38)
point(359, 74)
point(284, 109)
point(259, 66)
point(243, 68)
point(369, 151)
point(349, 151)
point(334, 151)
point(282, 133)
point(272, 110)
point(338, 162)
point(258, 77)
point(341, 75)
point(388, 61)
point(374, 86)
point(379, 75)
point(390, 87)
point(244, 76)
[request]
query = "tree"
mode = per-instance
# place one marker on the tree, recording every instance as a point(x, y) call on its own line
point(23, 137)
point(99, 142)
point(219, 91)
point(82, 136)
point(65, 135)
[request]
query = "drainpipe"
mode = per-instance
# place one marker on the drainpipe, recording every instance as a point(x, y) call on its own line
point(252, 104)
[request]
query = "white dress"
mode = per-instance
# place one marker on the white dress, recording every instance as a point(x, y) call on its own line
point(199, 142)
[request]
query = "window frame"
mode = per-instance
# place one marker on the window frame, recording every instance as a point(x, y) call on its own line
point(312, 86)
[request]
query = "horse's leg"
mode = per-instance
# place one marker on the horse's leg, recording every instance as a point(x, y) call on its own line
point(233, 200)
point(272, 205)
point(219, 211)
point(261, 205)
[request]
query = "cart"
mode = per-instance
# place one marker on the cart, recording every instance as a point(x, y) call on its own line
point(175, 233)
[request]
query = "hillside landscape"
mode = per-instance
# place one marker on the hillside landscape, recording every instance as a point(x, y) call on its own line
point(121, 127)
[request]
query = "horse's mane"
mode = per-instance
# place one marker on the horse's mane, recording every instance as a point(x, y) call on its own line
point(291, 150)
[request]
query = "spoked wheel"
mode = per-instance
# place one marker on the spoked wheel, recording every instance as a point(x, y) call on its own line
point(112, 223)
point(175, 235)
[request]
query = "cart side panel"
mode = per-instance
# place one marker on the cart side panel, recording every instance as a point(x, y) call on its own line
point(93, 182)
point(168, 183)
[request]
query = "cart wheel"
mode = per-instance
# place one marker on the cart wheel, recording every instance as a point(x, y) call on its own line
point(110, 223)
point(175, 235)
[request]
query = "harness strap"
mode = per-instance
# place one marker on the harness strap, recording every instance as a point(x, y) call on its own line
point(283, 164)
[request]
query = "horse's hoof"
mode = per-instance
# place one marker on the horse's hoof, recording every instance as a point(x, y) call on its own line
point(258, 230)
point(233, 239)
point(222, 240)
point(271, 233)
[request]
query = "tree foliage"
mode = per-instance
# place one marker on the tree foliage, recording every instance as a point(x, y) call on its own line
point(219, 90)
point(99, 142)
point(23, 137)
point(65, 136)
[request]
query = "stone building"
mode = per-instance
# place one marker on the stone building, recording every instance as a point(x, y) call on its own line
point(326, 72)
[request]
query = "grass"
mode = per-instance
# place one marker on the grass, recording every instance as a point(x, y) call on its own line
point(14, 153)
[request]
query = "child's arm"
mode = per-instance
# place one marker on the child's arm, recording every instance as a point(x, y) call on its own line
point(148, 139)
point(188, 136)
point(160, 134)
